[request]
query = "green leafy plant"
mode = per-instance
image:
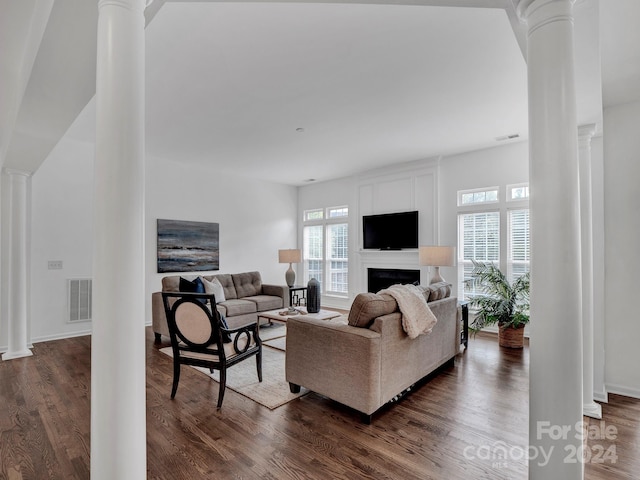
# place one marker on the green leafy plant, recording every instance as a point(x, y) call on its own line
point(498, 301)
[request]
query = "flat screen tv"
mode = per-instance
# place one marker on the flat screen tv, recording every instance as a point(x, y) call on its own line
point(390, 231)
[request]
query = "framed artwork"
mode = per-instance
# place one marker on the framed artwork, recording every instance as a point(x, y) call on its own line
point(185, 246)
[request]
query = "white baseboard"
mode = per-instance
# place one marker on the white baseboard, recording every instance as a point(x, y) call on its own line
point(61, 336)
point(623, 390)
point(601, 397)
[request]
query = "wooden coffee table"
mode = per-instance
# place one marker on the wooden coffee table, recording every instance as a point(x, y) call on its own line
point(274, 315)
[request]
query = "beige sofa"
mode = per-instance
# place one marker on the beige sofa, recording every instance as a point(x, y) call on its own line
point(365, 367)
point(244, 297)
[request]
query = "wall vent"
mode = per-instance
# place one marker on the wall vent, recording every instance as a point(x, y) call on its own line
point(508, 137)
point(79, 299)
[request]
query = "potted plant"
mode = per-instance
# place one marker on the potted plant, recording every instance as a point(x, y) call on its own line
point(500, 302)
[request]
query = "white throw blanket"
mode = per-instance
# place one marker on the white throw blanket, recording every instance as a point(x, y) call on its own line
point(417, 317)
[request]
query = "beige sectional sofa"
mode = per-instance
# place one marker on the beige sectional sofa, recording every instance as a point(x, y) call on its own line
point(244, 296)
point(366, 366)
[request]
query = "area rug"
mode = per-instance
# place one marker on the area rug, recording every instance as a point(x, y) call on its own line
point(272, 392)
point(274, 335)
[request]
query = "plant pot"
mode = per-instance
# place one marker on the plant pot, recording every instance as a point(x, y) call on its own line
point(511, 337)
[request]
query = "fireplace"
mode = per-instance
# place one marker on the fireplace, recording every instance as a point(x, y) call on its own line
point(379, 278)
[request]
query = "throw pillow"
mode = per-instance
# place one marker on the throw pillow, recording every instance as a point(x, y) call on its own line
point(367, 307)
point(426, 292)
point(439, 290)
point(225, 336)
point(195, 286)
point(214, 287)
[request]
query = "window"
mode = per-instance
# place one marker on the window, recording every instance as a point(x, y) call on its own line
point(479, 239)
point(312, 252)
point(479, 196)
point(313, 215)
point(519, 244)
point(338, 258)
point(517, 192)
point(326, 249)
point(493, 233)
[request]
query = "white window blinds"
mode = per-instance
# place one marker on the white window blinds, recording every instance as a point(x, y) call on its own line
point(519, 244)
point(479, 238)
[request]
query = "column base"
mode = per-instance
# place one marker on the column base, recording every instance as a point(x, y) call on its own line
point(593, 410)
point(21, 354)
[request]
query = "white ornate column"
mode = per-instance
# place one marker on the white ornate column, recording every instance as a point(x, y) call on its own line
point(17, 288)
point(585, 133)
point(555, 393)
point(118, 410)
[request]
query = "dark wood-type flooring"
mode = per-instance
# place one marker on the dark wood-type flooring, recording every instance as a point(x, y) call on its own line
point(433, 433)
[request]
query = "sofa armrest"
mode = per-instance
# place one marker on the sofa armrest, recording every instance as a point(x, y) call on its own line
point(336, 360)
point(406, 360)
point(281, 291)
point(158, 315)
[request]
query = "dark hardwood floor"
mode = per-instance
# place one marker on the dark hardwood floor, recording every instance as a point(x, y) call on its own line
point(436, 432)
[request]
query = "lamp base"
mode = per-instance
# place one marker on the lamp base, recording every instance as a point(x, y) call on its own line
point(436, 276)
point(290, 277)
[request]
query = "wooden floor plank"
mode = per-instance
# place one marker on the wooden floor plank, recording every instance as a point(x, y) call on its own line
point(483, 399)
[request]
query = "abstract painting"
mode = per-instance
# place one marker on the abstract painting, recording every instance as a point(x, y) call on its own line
point(185, 246)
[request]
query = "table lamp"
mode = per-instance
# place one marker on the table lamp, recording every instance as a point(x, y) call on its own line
point(437, 256)
point(290, 256)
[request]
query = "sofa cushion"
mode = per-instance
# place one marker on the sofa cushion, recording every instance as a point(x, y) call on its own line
point(368, 306)
point(265, 302)
point(227, 285)
point(214, 287)
point(247, 284)
point(439, 290)
point(238, 306)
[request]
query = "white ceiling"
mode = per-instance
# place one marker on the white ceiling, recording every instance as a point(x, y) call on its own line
point(228, 84)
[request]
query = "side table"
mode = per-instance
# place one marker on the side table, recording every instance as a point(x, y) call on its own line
point(464, 335)
point(298, 296)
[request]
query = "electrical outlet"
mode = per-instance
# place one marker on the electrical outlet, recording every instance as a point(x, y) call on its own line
point(55, 264)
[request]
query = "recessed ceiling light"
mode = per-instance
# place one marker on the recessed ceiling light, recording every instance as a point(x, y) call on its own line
point(299, 129)
point(310, 180)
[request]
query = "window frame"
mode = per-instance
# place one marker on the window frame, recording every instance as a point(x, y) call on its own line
point(473, 191)
point(503, 206)
point(327, 221)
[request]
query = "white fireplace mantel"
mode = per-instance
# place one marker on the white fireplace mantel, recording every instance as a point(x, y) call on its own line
point(400, 259)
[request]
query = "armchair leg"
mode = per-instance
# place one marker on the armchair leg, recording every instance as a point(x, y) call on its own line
point(366, 419)
point(158, 337)
point(294, 388)
point(176, 378)
point(259, 365)
point(223, 385)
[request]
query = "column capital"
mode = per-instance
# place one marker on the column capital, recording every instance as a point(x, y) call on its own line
point(133, 5)
point(539, 12)
point(14, 172)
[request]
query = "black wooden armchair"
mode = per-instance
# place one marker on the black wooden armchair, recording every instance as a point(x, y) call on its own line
point(200, 338)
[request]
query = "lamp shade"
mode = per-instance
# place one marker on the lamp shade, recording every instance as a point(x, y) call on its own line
point(291, 255)
point(437, 256)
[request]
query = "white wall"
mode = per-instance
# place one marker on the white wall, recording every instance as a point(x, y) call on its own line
point(622, 240)
point(61, 229)
point(256, 219)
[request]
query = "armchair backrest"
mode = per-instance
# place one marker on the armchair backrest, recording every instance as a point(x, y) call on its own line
point(193, 324)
